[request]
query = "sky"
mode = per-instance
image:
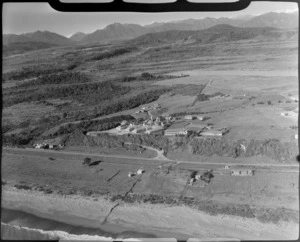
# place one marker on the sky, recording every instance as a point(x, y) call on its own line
point(21, 18)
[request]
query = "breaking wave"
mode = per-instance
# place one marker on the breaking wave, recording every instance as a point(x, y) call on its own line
point(19, 225)
point(14, 232)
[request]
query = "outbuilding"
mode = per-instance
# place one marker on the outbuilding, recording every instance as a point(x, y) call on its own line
point(124, 122)
point(139, 130)
point(140, 171)
point(188, 117)
point(191, 181)
point(130, 174)
point(174, 132)
point(242, 172)
point(156, 131)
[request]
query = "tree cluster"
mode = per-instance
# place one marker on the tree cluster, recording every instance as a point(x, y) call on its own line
point(129, 103)
point(30, 72)
point(111, 53)
point(60, 78)
point(145, 76)
point(86, 93)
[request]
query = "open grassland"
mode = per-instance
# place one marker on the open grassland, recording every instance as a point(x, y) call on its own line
point(64, 173)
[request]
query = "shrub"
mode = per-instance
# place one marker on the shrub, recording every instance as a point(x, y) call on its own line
point(193, 174)
point(269, 102)
point(146, 75)
point(294, 127)
point(87, 161)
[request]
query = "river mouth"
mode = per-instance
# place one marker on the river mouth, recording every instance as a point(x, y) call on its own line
point(31, 221)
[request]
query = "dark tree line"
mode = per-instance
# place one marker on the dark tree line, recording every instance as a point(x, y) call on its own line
point(91, 125)
point(129, 103)
point(204, 97)
point(29, 135)
point(60, 78)
point(111, 53)
point(85, 93)
point(145, 76)
point(30, 72)
point(113, 106)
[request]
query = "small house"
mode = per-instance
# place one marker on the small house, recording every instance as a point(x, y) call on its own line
point(39, 146)
point(140, 171)
point(157, 131)
point(124, 122)
point(191, 181)
point(215, 132)
point(296, 99)
point(198, 177)
point(188, 117)
point(242, 172)
point(131, 174)
point(212, 133)
point(174, 132)
point(243, 147)
point(119, 128)
point(139, 130)
point(130, 128)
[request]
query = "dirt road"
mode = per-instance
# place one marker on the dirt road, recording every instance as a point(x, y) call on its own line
point(160, 153)
point(182, 164)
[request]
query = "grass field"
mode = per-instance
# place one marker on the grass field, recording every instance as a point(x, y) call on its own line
point(64, 174)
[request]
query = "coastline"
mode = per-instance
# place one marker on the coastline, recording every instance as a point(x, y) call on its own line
point(14, 232)
point(160, 220)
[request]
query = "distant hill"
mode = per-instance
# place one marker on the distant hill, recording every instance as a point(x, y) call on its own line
point(38, 36)
point(276, 20)
point(77, 36)
point(12, 38)
point(192, 24)
point(115, 31)
point(119, 31)
point(217, 33)
point(20, 47)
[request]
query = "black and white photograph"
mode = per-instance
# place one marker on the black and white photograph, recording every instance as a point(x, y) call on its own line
point(150, 126)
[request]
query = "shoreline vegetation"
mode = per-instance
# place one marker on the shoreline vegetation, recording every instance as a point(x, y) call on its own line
point(139, 213)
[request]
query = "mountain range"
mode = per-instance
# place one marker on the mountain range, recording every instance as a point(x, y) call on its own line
point(216, 34)
point(38, 36)
point(117, 31)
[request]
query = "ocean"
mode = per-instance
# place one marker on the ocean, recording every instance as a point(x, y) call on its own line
point(20, 225)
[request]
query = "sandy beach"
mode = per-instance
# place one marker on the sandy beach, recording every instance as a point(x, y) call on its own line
point(161, 220)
